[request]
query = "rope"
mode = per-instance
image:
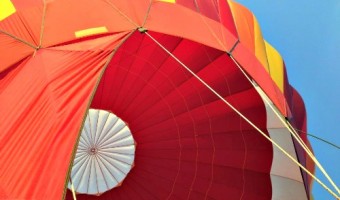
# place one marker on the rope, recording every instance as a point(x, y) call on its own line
point(311, 155)
point(18, 39)
point(73, 191)
point(318, 138)
point(242, 116)
point(121, 13)
point(291, 129)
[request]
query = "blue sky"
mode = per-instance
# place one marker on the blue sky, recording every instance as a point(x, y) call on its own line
point(307, 34)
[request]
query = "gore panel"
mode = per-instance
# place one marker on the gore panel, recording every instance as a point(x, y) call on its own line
point(42, 107)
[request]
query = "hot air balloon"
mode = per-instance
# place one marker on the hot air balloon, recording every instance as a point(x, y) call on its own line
point(115, 99)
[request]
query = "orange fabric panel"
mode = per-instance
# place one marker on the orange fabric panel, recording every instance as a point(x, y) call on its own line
point(299, 121)
point(24, 24)
point(19, 4)
point(176, 20)
point(60, 28)
point(244, 24)
point(9, 74)
point(49, 96)
point(254, 68)
point(249, 32)
point(9, 47)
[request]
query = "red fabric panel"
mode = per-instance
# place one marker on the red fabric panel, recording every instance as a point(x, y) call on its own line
point(43, 102)
point(189, 143)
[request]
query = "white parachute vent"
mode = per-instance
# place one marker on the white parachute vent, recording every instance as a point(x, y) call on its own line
point(105, 153)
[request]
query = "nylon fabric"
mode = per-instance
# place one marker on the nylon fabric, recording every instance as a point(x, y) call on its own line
point(181, 151)
point(189, 143)
point(52, 89)
point(276, 67)
point(22, 5)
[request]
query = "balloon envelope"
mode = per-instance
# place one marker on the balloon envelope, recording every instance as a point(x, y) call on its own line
point(63, 59)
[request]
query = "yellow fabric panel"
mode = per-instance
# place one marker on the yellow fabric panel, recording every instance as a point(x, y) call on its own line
point(168, 1)
point(260, 48)
point(91, 31)
point(244, 24)
point(6, 9)
point(276, 70)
